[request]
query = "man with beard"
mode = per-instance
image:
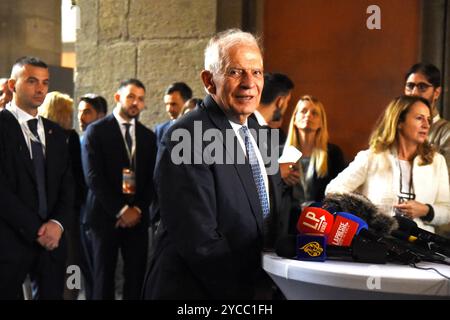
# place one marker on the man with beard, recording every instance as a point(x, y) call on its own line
point(36, 188)
point(118, 160)
point(275, 99)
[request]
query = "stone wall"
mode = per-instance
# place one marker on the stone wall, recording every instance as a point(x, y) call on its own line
point(28, 27)
point(156, 41)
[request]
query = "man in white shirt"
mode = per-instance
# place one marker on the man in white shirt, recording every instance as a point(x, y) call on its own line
point(119, 155)
point(36, 188)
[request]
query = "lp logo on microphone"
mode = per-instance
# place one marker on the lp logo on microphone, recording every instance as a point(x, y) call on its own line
point(318, 224)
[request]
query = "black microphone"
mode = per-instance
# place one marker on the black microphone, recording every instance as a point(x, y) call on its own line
point(285, 246)
point(410, 227)
point(380, 227)
point(426, 247)
point(360, 250)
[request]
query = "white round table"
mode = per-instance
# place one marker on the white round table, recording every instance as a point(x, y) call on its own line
point(305, 280)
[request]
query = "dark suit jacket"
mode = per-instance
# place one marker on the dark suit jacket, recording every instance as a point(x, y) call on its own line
point(211, 232)
point(19, 220)
point(104, 156)
point(160, 130)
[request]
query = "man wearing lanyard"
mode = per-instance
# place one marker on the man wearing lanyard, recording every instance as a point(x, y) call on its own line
point(36, 188)
point(119, 155)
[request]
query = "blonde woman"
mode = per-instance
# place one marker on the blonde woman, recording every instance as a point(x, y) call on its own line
point(58, 107)
point(401, 172)
point(321, 161)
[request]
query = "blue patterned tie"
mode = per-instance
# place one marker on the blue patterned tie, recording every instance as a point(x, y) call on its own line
point(39, 168)
point(256, 171)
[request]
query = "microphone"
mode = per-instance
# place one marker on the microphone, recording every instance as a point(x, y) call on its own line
point(410, 227)
point(361, 250)
point(285, 246)
point(362, 207)
point(397, 250)
point(291, 246)
point(411, 233)
point(311, 247)
point(314, 224)
point(315, 221)
point(343, 231)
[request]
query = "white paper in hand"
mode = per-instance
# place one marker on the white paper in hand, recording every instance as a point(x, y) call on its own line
point(290, 154)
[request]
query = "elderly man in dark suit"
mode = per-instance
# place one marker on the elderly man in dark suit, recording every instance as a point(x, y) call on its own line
point(119, 156)
point(36, 188)
point(215, 205)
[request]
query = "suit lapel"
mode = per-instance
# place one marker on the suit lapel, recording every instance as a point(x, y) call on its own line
point(244, 171)
point(16, 131)
point(51, 151)
point(116, 136)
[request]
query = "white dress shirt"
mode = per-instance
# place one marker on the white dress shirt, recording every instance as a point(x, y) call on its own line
point(236, 128)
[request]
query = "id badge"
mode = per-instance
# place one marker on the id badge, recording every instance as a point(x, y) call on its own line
point(128, 181)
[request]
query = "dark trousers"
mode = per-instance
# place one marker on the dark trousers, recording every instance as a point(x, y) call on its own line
point(46, 270)
point(48, 277)
point(106, 242)
point(86, 261)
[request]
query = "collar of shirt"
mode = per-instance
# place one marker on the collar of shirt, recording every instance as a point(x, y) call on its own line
point(260, 118)
point(236, 127)
point(22, 117)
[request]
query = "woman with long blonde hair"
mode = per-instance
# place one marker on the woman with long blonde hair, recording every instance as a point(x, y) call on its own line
point(321, 161)
point(400, 172)
point(58, 107)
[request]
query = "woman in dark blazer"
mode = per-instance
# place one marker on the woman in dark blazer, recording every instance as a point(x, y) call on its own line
point(306, 180)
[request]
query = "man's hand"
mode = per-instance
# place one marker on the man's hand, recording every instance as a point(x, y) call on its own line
point(49, 235)
point(129, 218)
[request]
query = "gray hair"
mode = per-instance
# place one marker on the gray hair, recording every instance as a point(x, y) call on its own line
point(215, 58)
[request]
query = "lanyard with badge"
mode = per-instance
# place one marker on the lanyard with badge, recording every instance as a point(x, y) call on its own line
point(128, 174)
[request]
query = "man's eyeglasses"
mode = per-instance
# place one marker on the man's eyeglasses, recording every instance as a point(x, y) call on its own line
point(421, 86)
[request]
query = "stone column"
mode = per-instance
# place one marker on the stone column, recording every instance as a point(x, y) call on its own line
point(29, 27)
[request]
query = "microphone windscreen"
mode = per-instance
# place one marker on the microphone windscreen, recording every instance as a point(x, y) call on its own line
point(362, 207)
point(342, 232)
point(311, 247)
point(315, 220)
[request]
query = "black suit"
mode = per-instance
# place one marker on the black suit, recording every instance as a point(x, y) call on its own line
point(210, 237)
point(20, 254)
point(161, 129)
point(104, 157)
